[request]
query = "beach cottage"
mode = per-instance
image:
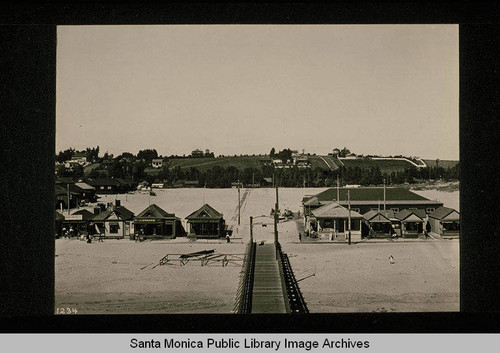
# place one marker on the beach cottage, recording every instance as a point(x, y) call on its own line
point(445, 221)
point(78, 223)
point(377, 224)
point(333, 220)
point(412, 223)
point(114, 222)
point(154, 222)
point(206, 222)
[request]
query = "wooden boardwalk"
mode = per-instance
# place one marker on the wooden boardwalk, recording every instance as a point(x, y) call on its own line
point(267, 293)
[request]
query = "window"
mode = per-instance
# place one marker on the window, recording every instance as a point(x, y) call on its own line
point(102, 187)
point(395, 209)
point(328, 223)
point(429, 209)
point(109, 187)
point(355, 224)
point(113, 228)
point(355, 209)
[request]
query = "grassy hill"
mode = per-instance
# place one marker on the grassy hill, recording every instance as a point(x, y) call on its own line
point(442, 163)
point(203, 164)
point(386, 166)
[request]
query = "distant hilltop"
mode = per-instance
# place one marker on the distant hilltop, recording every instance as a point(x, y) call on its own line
point(289, 168)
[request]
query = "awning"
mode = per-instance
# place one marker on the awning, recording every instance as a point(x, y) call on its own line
point(208, 220)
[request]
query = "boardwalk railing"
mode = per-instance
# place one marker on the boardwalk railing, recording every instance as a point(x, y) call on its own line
point(243, 304)
point(295, 302)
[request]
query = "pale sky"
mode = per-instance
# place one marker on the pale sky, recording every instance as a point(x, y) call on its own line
point(243, 89)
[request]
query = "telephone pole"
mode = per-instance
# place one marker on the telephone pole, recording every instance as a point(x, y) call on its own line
point(251, 229)
point(276, 219)
point(239, 203)
point(349, 220)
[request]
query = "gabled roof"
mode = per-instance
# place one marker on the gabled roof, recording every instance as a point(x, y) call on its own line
point(443, 212)
point(64, 180)
point(120, 211)
point(205, 211)
point(313, 201)
point(59, 190)
point(370, 194)
point(420, 213)
point(334, 210)
point(86, 215)
point(103, 181)
point(154, 211)
point(409, 215)
point(125, 181)
point(374, 216)
point(84, 186)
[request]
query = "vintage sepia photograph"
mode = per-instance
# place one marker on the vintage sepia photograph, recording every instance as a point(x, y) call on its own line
point(239, 169)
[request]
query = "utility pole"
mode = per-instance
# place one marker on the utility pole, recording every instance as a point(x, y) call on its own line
point(239, 203)
point(338, 189)
point(384, 196)
point(276, 218)
point(251, 229)
point(67, 189)
point(349, 220)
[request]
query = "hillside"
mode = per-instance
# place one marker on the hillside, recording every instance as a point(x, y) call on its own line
point(322, 162)
point(386, 166)
point(203, 164)
point(442, 163)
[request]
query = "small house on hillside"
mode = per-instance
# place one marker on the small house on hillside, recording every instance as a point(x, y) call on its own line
point(155, 222)
point(206, 222)
point(80, 158)
point(114, 222)
point(445, 221)
point(157, 163)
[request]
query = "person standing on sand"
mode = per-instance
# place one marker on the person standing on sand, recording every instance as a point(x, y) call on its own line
point(300, 236)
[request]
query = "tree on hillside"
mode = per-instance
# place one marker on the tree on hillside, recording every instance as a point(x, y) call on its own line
point(92, 154)
point(147, 154)
point(344, 152)
point(66, 155)
point(273, 152)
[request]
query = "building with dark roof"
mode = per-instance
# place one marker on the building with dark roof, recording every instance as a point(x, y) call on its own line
point(106, 185)
point(114, 222)
point(154, 222)
point(206, 222)
point(364, 199)
point(444, 221)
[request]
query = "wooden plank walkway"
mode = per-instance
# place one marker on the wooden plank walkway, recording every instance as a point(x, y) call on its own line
point(267, 294)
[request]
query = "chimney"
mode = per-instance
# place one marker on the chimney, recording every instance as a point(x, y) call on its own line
point(97, 210)
point(117, 203)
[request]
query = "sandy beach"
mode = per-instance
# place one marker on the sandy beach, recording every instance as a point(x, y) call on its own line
point(117, 276)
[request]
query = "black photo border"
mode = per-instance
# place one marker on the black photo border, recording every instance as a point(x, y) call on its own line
point(28, 39)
